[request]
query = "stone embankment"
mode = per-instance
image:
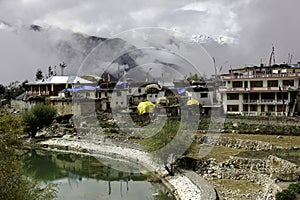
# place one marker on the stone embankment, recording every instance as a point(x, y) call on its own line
point(235, 143)
point(180, 184)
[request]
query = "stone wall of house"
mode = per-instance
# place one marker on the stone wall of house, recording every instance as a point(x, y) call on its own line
point(63, 107)
point(21, 105)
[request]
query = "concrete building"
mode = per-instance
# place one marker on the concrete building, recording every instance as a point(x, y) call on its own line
point(263, 90)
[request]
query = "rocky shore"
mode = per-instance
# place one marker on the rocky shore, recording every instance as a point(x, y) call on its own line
point(197, 178)
point(180, 184)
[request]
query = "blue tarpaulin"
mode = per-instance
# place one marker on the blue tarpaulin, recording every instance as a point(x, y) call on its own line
point(180, 90)
point(123, 84)
point(80, 88)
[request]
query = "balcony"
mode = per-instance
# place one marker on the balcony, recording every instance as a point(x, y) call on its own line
point(261, 76)
point(256, 113)
point(265, 101)
point(251, 101)
point(254, 89)
point(36, 93)
point(250, 113)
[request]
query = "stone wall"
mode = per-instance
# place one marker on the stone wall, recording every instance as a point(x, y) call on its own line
point(235, 143)
point(21, 105)
point(276, 168)
point(265, 172)
point(283, 169)
point(63, 107)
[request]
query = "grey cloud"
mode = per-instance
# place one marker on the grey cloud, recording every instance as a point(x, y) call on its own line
point(254, 25)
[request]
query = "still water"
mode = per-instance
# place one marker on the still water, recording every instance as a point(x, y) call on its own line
point(85, 177)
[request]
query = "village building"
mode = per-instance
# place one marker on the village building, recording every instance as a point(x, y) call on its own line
point(79, 96)
point(56, 91)
point(262, 90)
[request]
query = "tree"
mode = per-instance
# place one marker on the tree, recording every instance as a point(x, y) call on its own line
point(39, 75)
point(196, 77)
point(14, 89)
point(13, 185)
point(62, 67)
point(51, 71)
point(38, 117)
point(2, 90)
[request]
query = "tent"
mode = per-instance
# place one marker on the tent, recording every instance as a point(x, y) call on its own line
point(145, 107)
point(192, 101)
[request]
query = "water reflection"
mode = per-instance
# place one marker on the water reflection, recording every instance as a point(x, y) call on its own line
point(85, 177)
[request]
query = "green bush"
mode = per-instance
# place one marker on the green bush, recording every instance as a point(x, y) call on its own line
point(38, 117)
point(295, 187)
point(289, 193)
point(13, 185)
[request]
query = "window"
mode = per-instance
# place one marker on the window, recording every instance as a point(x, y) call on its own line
point(271, 108)
point(232, 108)
point(273, 83)
point(232, 96)
point(253, 107)
point(130, 90)
point(237, 84)
point(288, 82)
point(279, 108)
point(119, 93)
point(256, 84)
point(87, 94)
point(262, 108)
point(245, 107)
point(203, 95)
point(139, 90)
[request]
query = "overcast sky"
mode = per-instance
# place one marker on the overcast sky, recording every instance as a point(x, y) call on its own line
point(248, 28)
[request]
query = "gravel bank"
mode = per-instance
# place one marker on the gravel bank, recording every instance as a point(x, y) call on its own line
point(181, 185)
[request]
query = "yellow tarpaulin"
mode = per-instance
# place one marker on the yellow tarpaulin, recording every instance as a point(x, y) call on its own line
point(145, 107)
point(192, 101)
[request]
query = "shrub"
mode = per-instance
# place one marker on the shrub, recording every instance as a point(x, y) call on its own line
point(38, 117)
point(295, 187)
point(289, 193)
point(13, 185)
point(285, 195)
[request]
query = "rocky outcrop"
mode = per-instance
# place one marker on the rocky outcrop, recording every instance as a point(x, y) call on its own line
point(62, 125)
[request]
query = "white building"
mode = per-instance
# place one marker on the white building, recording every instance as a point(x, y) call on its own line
point(264, 90)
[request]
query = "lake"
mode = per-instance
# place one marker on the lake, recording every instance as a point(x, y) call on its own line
point(82, 177)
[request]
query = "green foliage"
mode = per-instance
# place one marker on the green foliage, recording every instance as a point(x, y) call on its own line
point(38, 117)
point(290, 193)
point(196, 77)
point(2, 90)
point(14, 89)
point(39, 75)
point(163, 137)
point(13, 185)
point(295, 187)
point(286, 195)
